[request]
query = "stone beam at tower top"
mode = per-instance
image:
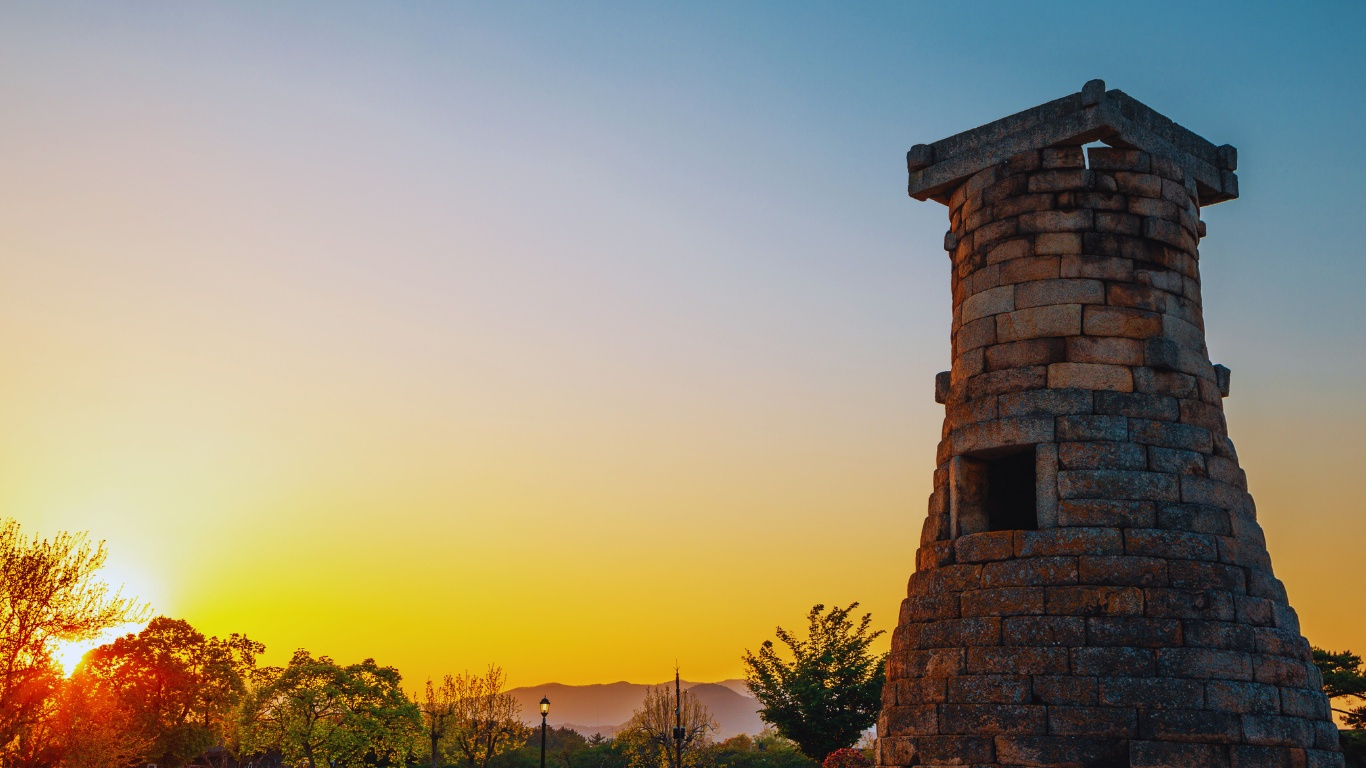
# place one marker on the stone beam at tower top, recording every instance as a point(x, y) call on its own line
point(1091, 114)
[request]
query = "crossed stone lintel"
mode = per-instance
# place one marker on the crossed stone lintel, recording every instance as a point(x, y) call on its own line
point(1092, 114)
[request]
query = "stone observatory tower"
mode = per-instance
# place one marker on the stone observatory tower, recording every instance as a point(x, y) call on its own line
point(1092, 588)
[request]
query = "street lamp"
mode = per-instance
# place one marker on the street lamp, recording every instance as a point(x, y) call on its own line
point(545, 710)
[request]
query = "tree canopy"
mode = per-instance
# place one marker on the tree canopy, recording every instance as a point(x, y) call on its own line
point(830, 691)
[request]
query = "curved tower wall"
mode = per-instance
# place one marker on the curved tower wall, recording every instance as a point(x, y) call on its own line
point(1133, 618)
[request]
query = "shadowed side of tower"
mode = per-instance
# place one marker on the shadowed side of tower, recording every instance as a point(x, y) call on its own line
point(1092, 586)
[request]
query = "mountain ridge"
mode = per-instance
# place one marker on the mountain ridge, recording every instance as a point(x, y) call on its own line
point(606, 707)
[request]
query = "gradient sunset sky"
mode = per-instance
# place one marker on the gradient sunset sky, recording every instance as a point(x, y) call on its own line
point(588, 337)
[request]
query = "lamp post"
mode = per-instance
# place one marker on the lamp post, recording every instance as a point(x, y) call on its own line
point(545, 710)
point(678, 722)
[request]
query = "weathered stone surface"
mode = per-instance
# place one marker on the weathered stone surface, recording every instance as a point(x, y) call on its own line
point(1140, 624)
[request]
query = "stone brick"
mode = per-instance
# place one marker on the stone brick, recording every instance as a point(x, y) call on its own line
point(1039, 322)
point(1143, 184)
point(1242, 697)
point(956, 750)
point(1057, 243)
point(1297, 702)
point(964, 412)
point(996, 230)
point(1101, 455)
point(1007, 601)
point(1101, 267)
point(1122, 662)
point(988, 689)
point(1059, 631)
point(1252, 555)
point(1122, 571)
point(1191, 725)
point(1010, 380)
point(1063, 157)
point(1170, 754)
point(1025, 353)
point(1117, 378)
point(1245, 756)
point(1117, 484)
point(1202, 490)
point(1093, 601)
point(1188, 574)
point(1010, 249)
point(1165, 434)
point(950, 578)
point(1224, 635)
point(1052, 402)
point(989, 302)
point(1081, 428)
point(1135, 404)
point(929, 607)
point(1058, 542)
point(1261, 583)
point(1096, 722)
point(1255, 611)
point(1110, 350)
point(1276, 730)
point(1120, 321)
point(1204, 663)
point(1134, 632)
point(1137, 296)
point(896, 750)
point(1173, 544)
point(1103, 512)
point(978, 333)
point(1024, 269)
point(1040, 293)
point(1114, 159)
point(1197, 518)
point(910, 720)
point(1060, 181)
point(958, 633)
point(984, 547)
point(1203, 414)
point(1280, 642)
point(1004, 660)
point(1067, 689)
point(1061, 751)
point(1003, 433)
point(1209, 604)
point(1013, 206)
point(1320, 758)
point(1040, 571)
point(1118, 223)
point(1175, 461)
point(1152, 692)
point(940, 662)
point(1167, 383)
point(1155, 207)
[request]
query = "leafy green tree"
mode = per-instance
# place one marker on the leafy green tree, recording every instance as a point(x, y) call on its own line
point(1344, 682)
point(830, 691)
point(178, 689)
point(48, 593)
point(766, 750)
point(486, 720)
point(649, 735)
point(314, 712)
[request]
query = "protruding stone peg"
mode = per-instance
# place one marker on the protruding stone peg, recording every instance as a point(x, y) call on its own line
point(1228, 157)
point(920, 156)
point(1092, 92)
point(1201, 227)
point(950, 240)
point(1221, 377)
point(941, 386)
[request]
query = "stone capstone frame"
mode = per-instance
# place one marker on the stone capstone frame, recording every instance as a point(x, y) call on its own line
point(1133, 619)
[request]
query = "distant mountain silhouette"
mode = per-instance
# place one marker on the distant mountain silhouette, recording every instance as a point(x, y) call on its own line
point(604, 708)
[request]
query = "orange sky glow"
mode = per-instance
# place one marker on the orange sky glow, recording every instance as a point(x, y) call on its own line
point(464, 335)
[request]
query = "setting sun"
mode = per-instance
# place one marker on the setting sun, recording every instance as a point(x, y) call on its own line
point(70, 653)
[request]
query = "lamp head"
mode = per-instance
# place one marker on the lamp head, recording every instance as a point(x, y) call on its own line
point(545, 706)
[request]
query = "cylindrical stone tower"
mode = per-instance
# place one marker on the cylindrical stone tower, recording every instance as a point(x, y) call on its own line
point(1092, 588)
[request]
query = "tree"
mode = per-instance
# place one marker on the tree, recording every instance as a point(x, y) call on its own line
point(649, 734)
point(831, 690)
point(316, 712)
point(487, 721)
point(1345, 679)
point(438, 710)
point(179, 688)
point(48, 593)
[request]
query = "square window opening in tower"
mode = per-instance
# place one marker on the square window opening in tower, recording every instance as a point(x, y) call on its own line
point(1011, 503)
